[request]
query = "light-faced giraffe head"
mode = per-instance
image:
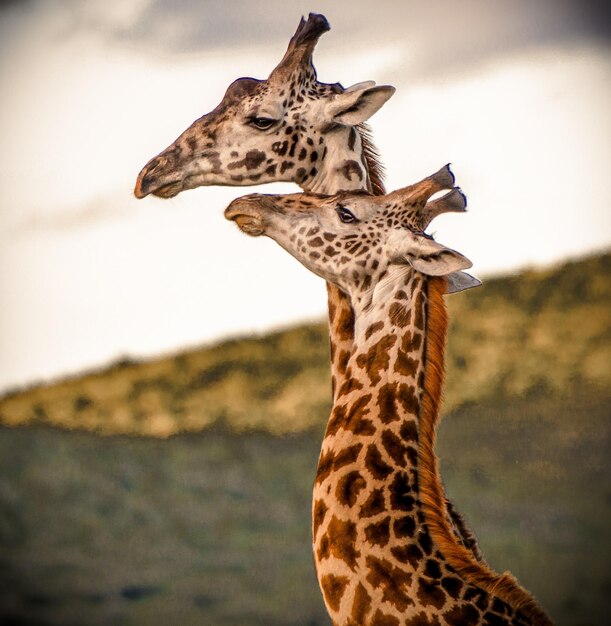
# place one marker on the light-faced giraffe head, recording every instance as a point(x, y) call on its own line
point(354, 240)
point(285, 128)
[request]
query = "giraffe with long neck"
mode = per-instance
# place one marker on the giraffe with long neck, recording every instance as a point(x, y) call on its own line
point(289, 127)
point(384, 550)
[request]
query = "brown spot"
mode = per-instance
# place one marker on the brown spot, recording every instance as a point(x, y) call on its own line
point(318, 515)
point(316, 242)
point(393, 582)
point(464, 615)
point(409, 430)
point(411, 342)
point(332, 309)
point(401, 295)
point(424, 539)
point(342, 361)
point(352, 384)
point(357, 422)
point(394, 447)
point(251, 160)
point(432, 569)
point(386, 403)
point(333, 588)
point(375, 464)
point(381, 619)
point(345, 322)
point(350, 167)
point(499, 606)
point(330, 251)
point(341, 537)
point(399, 314)
point(361, 605)
point(348, 488)
point(271, 170)
point(332, 461)
point(404, 527)
point(430, 594)
point(410, 553)
point(324, 548)
point(374, 328)
point(452, 586)
point(376, 359)
point(477, 596)
point(192, 143)
point(374, 504)
point(352, 419)
point(286, 165)
point(407, 397)
point(400, 493)
point(419, 311)
point(412, 455)
point(280, 148)
point(329, 236)
point(405, 365)
point(378, 533)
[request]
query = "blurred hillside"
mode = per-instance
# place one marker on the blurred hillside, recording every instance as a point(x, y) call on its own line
point(539, 330)
point(213, 527)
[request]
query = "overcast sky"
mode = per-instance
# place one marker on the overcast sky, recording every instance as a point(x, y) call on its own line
point(515, 93)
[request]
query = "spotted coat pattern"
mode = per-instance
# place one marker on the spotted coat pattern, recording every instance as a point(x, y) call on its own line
point(377, 562)
point(304, 143)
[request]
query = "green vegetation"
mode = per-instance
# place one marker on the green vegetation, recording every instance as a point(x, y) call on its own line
point(540, 329)
point(212, 527)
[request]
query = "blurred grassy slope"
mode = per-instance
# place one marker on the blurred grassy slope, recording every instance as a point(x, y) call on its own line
point(214, 528)
point(546, 330)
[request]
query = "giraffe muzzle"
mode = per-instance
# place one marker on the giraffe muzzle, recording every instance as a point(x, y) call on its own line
point(153, 179)
point(248, 216)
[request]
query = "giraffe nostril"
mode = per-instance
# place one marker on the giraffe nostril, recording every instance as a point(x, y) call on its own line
point(153, 165)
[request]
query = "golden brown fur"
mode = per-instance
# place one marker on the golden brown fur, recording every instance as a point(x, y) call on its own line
point(504, 585)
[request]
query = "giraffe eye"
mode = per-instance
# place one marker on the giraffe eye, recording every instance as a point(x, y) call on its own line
point(345, 215)
point(262, 123)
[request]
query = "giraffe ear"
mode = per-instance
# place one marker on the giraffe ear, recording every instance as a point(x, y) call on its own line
point(357, 103)
point(460, 281)
point(429, 257)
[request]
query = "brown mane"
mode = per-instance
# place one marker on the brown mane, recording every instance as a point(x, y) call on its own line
point(372, 160)
point(503, 586)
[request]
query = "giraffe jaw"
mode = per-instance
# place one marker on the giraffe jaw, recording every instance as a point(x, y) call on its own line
point(168, 191)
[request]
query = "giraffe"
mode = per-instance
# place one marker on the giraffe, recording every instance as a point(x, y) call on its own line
point(384, 550)
point(289, 127)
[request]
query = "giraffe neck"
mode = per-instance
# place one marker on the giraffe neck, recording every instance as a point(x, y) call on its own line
point(344, 165)
point(351, 162)
point(376, 558)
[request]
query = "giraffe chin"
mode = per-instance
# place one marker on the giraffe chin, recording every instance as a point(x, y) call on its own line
point(249, 224)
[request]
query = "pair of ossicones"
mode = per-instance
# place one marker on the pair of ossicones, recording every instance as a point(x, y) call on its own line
point(353, 239)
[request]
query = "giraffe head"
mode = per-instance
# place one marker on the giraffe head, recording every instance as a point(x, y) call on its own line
point(285, 128)
point(355, 240)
